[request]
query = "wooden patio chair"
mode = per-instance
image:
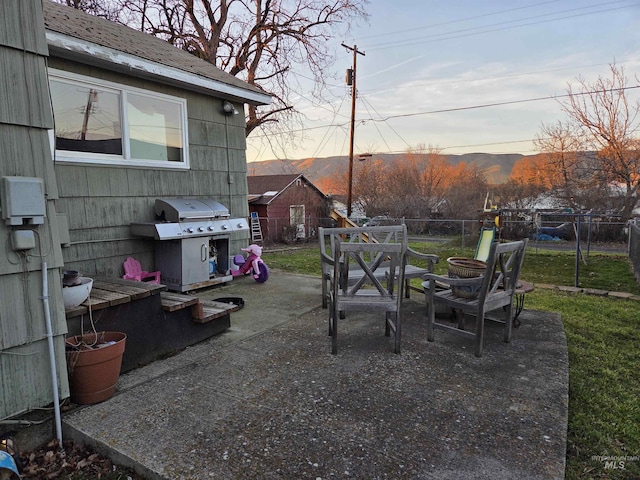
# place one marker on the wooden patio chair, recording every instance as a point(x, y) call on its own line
point(364, 288)
point(329, 236)
point(495, 289)
point(133, 271)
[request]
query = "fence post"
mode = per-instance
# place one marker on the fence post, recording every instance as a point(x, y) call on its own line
point(462, 233)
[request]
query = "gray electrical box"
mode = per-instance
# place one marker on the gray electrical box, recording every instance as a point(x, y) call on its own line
point(23, 201)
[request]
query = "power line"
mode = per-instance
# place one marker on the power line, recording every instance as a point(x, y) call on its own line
point(500, 77)
point(474, 30)
point(366, 102)
point(459, 20)
point(498, 104)
point(376, 127)
point(459, 109)
point(487, 144)
point(337, 113)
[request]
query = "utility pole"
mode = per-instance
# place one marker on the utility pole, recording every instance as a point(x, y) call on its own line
point(351, 77)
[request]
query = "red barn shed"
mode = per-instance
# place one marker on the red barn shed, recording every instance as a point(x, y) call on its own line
point(289, 207)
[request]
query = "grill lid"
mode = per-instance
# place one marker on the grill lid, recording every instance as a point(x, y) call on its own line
point(188, 209)
point(219, 210)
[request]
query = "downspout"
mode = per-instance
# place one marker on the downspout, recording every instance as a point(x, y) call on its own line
point(226, 139)
point(52, 356)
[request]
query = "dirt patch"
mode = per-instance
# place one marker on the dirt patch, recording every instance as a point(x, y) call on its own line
point(74, 461)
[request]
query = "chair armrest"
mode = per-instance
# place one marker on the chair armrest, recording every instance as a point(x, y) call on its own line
point(326, 259)
point(457, 282)
point(429, 257)
point(326, 264)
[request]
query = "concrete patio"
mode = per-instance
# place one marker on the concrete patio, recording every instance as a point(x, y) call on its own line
point(266, 399)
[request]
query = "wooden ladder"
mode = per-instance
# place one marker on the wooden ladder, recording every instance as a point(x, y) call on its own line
point(256, 230)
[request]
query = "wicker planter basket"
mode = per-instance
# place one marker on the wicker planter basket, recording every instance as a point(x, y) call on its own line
point(460, 267)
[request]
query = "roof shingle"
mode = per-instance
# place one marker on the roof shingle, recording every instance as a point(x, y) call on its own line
point(99, 31)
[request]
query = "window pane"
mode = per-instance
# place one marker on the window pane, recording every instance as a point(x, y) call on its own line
point(87, 119)
point(296, 214)
point(155, 129)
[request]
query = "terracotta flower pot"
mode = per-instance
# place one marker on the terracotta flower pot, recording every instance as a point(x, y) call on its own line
point(94, 365)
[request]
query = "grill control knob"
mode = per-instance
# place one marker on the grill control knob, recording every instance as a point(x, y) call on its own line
point(224, 227)
point(201, 229)
point(189, 230)
point(210, 228)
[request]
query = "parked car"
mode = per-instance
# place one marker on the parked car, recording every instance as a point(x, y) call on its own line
point(377, 221)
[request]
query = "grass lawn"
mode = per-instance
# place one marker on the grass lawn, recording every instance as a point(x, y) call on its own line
point(603, 337)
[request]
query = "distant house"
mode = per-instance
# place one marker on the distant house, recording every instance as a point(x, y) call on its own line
point(97, 121)
point(289, 207)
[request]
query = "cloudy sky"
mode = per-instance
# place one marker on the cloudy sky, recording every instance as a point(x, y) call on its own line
point(433, 71)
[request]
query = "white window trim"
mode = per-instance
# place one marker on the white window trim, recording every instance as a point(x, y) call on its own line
point(84, 158)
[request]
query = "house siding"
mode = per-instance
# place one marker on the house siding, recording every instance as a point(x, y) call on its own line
point(25, 116)
point(102, 201)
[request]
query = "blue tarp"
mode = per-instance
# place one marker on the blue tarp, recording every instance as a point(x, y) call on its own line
point(544, 237)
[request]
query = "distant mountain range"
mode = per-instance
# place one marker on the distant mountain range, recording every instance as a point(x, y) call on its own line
point(497, 167)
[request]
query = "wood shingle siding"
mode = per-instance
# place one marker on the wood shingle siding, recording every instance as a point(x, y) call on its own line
point(22, 26)
point(25, 116)
point(98, 202)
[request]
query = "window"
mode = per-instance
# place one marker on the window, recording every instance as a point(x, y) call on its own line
point(296, 219)
point(106, 123)
point(296, 214)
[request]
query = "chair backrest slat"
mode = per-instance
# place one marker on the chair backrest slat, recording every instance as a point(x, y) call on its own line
point(503, 268)
point(368, 249)
point(367, 271)
point(360, 236)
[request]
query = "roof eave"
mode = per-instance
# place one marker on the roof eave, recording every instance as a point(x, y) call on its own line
point(71, 48)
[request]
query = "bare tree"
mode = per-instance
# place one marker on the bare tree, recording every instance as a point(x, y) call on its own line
point(466, 192)
point(558, 168)
point(413, 186)
point(370, 187)
point(435, 176)
point(517, 194)
point(608, 122)
point(99, 8)
point(260, 41)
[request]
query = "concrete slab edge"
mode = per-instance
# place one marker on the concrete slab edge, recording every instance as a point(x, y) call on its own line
point(118, 458)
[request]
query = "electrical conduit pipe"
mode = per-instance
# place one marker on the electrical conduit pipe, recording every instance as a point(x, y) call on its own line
point(52, 356)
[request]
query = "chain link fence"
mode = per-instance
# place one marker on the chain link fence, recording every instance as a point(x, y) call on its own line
point(513, 225)
point(634, 247)
point(545, 229)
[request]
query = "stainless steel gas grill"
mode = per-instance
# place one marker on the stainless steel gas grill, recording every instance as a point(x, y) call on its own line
point(192, 241)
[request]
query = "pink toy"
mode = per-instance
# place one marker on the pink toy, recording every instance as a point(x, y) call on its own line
point(252, 264)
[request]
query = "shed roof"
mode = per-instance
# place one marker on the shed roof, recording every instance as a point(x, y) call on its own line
point(76, 35)
point(264, 188)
